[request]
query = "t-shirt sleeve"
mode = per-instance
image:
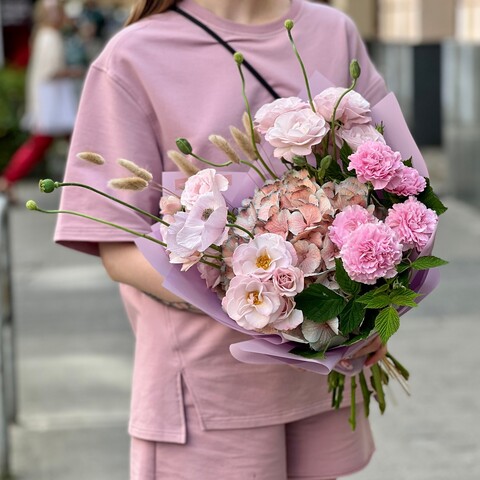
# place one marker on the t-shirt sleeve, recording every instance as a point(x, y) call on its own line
point(370, 85)
point(114, 121)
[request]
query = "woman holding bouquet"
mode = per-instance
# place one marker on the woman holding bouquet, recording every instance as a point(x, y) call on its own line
point(196, 412)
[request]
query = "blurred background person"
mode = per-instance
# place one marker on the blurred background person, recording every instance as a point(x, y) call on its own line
point(51, 94)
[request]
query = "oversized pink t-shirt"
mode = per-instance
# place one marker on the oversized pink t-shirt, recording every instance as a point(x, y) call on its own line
point(164, 78)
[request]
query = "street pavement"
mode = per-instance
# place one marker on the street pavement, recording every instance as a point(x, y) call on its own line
point(75, 348)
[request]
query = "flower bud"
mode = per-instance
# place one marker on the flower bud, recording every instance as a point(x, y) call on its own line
point(31, 205)
point(238, 57)
point(47, 185)
point(184, 146)
point(325, 163)
point(355, 69)
point(289, 24)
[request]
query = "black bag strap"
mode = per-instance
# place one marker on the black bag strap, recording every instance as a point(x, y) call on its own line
point(222, 42)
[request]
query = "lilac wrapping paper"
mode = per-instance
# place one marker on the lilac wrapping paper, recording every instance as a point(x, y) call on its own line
point(274, 349)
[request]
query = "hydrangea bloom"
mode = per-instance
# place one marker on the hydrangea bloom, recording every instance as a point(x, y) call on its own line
point(413, 223)
point(371, 252)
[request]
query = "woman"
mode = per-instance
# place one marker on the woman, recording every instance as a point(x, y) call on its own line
point(196, 412)
point(47, 64)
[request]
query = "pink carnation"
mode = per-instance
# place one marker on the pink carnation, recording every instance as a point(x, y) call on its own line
point(413, 223)
point(371, 252)
point(359, 134)
point(407, 181)
point(295, 133)
point(347, 222)
point(375, 162)
point(267, 114)
point(252, 303)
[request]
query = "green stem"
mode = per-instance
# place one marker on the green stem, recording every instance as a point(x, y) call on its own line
point(302, 66)
point(332, 123)
point(251, 165)
point(250, 122)
point(378, 386)
point(402, 370)
point(233, 225)
point(353, 405)
point(110, 197)
point(366, 394)
point(105, 222)
point(204, 160)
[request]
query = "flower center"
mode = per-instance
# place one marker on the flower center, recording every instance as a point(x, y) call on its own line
point(263, 261)
point(254, 298)
point(206, 213)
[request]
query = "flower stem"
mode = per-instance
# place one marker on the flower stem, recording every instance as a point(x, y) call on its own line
point(212, 164)
point(304, 72)
point(332, 123)
point(105, 222)
point(353, 403)
point(110, 197)
point(251, 165)
point(250, 122)
point(233, 225)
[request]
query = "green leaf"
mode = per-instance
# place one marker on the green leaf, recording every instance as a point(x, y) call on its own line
point(408, 162)
point(345, 152)
point(402, 267)
point(404, 297)
point(430, 199)
point(387, 323)
point(319, 304)
point(351, 317)
point(334, 172)
point(375, 299)
point(307, 352)
point(346, 283)
point(424, 263)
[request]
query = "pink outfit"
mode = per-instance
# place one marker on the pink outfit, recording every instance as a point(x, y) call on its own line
point(164, 78)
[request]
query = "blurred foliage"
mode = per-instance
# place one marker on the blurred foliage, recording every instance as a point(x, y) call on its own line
point(12, 104)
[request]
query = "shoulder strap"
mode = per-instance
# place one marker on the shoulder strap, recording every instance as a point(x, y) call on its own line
point(222, 42)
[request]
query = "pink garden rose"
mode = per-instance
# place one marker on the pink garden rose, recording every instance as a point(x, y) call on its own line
point(407, 181)
point(413, 223)
point(262, 256)
point(295, 133)
point(371, 252)
point(253, 304)
point(289, 317)
point(170, 205)
point(267, 114)
point(347, 222)
point(288, 281)
point(375, 162)
point(359, 134)
point(353, 108)
point(205, 181)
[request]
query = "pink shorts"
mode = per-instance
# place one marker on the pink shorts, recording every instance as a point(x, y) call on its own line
point(321, 447)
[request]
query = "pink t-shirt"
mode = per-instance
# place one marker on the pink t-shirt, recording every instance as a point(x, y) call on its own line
point(164, 78)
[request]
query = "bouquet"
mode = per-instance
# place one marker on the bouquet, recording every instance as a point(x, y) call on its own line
point(324, 244)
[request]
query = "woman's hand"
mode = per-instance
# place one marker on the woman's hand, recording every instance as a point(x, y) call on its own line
point(375, 350)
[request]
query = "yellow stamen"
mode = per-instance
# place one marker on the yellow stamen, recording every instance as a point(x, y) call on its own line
point(263, 261)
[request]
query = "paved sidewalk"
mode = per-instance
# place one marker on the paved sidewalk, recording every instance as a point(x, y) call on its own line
point(75, 357)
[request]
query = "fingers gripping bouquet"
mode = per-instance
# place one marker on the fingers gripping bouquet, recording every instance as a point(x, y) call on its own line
point(328, 246)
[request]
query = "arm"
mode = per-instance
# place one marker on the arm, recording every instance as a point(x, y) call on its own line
point(124, 263)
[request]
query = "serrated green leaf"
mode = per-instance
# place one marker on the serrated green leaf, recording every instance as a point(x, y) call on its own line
point(319, 304)
point(346, 283)
point(366, 297)
point(424, 263)
point(387, 323)
point(402, 267)
point(404, 297)
point(351, 317)
point(429, 198)
point(379, 301)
